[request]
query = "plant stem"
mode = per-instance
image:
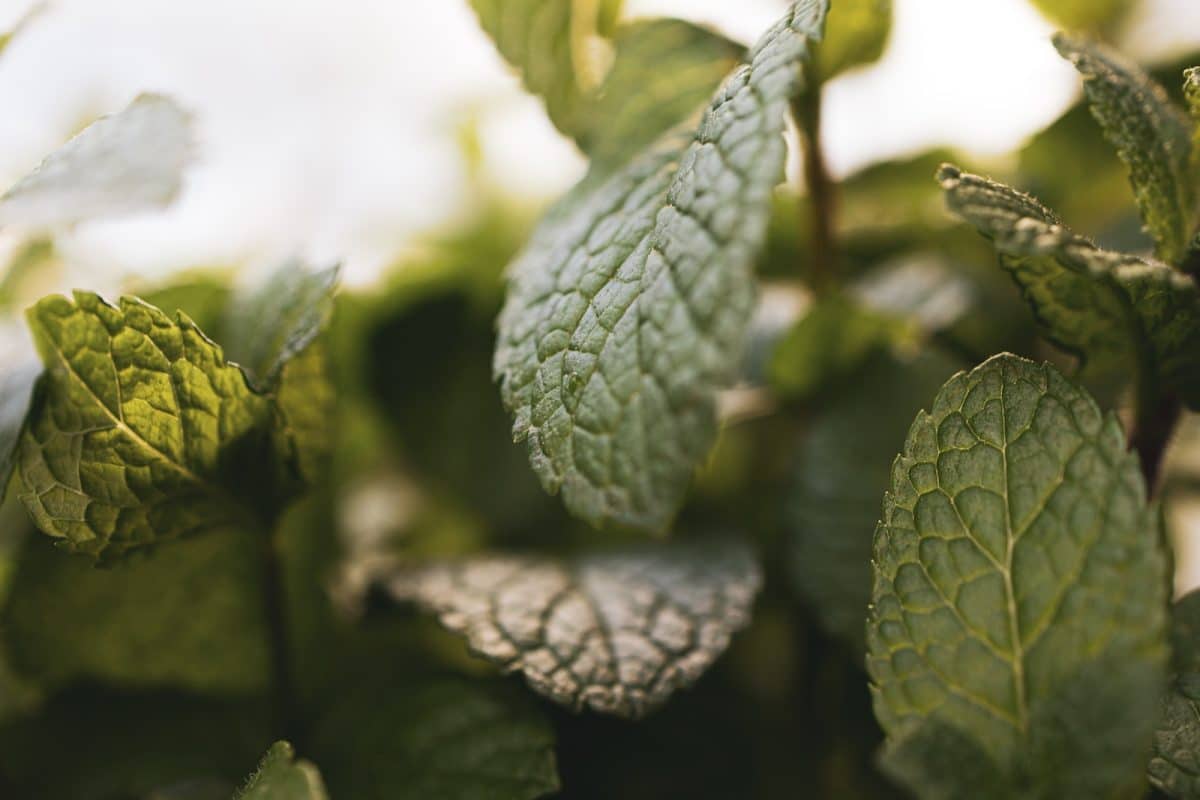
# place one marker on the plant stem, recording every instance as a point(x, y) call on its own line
point(822, 191)
point(1157, 413)
point(274, 602)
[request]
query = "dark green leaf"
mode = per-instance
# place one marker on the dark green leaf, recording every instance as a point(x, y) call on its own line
point(628, 308)
point(855, 34)
point(281, 777)
point(1017, 567)
point(618, 632)
point(1175, 762)
point(1150, 135)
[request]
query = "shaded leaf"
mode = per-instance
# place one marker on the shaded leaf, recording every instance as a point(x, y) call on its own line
point(281, 777)
point(618, 633)
point(446, 738)
point(628, 308)
point(1016, 570)
point(1117, 309)
point(186, 614)
point(855, 34)
point(1175, 761)
point(144, 433)
point(120, 164)
point(936, 761)
point(1150, 135)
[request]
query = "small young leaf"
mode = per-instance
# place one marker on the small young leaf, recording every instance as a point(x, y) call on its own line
point(1150, 135)
point(1017, 565)
point(186, 614)
point(1115, 308)
point(281, 777)
point(628, 308)
point(442, 738)
point(120, 164)
point(1175, 761)
point(855, 34)
point(144, 433)
point(617, 633)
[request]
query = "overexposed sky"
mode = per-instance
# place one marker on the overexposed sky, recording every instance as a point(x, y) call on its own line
point(327, 126)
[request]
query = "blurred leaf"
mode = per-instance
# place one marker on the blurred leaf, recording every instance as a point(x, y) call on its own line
point(1019, 589)
point(1115, 308)
point(615, 632)
point(124, 163)
point(1097, 16)
point(628, 308)
point(1150, 135)
point(17, 381)
point(33, 260)
point(439, 738)
point(304, 405)
point(126, 745)
point(842, 469)
point(1175, 762)
point(855, 34)
point(186, 615)
point(281, 777)
point(204, 297)
point(664, 71)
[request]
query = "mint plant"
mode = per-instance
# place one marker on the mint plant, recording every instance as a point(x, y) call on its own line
point(630, 455)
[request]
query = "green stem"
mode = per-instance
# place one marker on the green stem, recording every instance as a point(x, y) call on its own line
point(822, 191)
point(274, 604)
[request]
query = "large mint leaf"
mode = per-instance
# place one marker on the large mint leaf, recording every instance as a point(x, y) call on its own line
point(628, 308)
point(434, 737)
point(185, 614)
point(664, 71)
point(1110, 307)
point(144, 432)
point(120, 164)
point(1019, 589)
point(618, 633)
point(1151, 136)
point(281, 777)
point(1175, 761)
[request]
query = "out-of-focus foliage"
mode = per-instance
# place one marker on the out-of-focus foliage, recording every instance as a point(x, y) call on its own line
point(1097, 16)
point(855, 34)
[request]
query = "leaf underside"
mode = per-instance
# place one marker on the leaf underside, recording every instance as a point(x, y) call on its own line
point(1019, 590)
point(628, 308)
point(617, 633)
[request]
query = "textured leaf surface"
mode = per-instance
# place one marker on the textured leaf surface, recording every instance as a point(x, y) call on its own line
point(1101, 305)
point(281, 777)
point(127, 162)
point(1019, 592)
point(628, 308)
point(186, 614)
point(617, 633)
point(16, 394)
point(664, 71)
point(856, 34)
point(144, 433)
point(1175, 762)
point(1150, 135)
point(445, 738)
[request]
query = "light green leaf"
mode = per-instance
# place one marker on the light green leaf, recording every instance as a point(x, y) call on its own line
point(120, 164)
point(1150, 135)
point(273, 323)
point(856, 34)
point(446, 738)
point(1101, 16)
point(304, 403)
point(1019, 589)
point(144, 432)
point(1175, 761)
point(617, 633)
point(1117, 309)
point(185, 614)
point(843, 466)
point(628, 308)
point(17, 381)
point(281, 777)
point(664, 71)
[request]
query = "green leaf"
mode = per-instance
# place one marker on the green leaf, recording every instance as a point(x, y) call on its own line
point(1019, 588)
point(275, 322)
point(1101, 16)
point(936, 761)
point(185, 614)
point(1175, 761)
point(16, 395)
point(1150, 135)
point(664, 71)
point(855, 35)
point(304, 403)
point(628, 308)
point(444, 737)
point(144, 433)
point(120, 164)
point(617, 633)
point(1117, 309)
point(1191, 91)
point(281, 777)
point(843, 466)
